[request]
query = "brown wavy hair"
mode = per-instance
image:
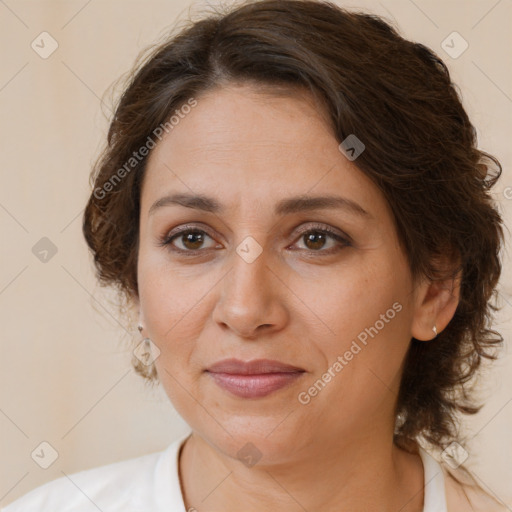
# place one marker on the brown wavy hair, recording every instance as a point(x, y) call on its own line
point(421, 151)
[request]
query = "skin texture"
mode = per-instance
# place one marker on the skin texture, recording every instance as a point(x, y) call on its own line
point(294, 303)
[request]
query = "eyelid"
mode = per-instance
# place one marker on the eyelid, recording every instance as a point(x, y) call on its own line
point(324, 227)
point(188, 227)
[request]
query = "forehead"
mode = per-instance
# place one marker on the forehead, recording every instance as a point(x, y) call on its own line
point(245, 146)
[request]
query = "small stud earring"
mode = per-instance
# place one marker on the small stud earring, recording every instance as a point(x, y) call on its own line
point(140, 328)
point(435, 330)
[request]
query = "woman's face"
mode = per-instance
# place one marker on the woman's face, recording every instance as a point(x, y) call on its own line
point(258, 277)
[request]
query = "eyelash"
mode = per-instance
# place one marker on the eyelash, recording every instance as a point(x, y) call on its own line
point(167, 240)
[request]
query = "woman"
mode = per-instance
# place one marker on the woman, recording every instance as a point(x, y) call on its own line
point(293, 201)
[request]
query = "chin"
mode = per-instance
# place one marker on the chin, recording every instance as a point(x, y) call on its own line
point(254, 440)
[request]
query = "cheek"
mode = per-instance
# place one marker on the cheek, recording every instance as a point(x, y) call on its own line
point(364, 311)
point(351, 299)
point(170, 307)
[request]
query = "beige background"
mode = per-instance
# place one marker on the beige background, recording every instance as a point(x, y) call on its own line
point(65, 367)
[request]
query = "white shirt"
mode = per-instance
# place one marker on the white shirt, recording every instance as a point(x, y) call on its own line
point(150, 483)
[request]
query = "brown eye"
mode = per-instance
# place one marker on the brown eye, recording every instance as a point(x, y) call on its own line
point(189, 240)
point(192, 240)
point(317, 240)
point(314, 240)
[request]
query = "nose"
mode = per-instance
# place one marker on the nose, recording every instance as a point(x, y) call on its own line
point(251, 300)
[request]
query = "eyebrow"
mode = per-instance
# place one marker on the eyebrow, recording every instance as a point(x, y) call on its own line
point(283, 207)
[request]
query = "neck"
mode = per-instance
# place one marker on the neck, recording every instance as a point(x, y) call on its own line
point(367, 475)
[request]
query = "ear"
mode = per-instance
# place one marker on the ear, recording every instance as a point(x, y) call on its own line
point(435, 304)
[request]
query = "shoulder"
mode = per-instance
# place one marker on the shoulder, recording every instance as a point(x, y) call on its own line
point(109, 487)
point(464, 494)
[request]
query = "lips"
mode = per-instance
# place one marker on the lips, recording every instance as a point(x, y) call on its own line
point(254, 367)
point(253, 379)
